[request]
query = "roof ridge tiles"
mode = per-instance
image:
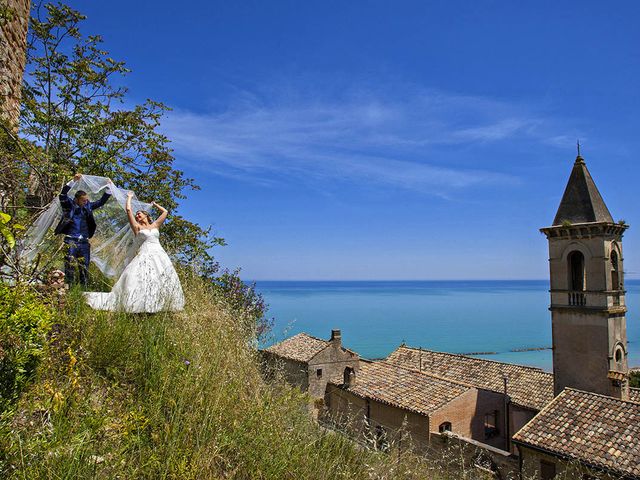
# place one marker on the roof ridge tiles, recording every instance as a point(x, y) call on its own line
point(461, 355)
point(428, 374)
point(594, 394)
point(307, 335)
point(367, 386)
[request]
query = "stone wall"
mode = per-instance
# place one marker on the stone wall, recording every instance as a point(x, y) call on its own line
point(13, 43)
point(470, 455)
point(294, 373)
point(374, 423)
point(329, 366)
point(534, 462)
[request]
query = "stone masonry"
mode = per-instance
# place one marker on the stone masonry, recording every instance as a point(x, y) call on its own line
point(14, 22)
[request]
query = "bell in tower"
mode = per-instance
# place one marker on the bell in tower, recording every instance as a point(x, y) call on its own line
point(587, 291)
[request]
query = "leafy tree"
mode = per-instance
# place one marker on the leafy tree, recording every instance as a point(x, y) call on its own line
point(73, 111)
point(74, 120)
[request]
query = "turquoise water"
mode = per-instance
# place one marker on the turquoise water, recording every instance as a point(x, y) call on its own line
point(453, 316)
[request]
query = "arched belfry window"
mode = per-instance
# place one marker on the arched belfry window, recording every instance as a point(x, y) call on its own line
point(615, 271)
point(577, 284)
point(576, 271)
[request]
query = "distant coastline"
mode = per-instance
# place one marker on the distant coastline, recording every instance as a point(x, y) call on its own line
point(502, 320)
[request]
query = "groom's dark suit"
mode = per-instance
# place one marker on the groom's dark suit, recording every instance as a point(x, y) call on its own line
point(78, 226)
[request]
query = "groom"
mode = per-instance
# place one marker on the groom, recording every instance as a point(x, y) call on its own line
point(78, 226)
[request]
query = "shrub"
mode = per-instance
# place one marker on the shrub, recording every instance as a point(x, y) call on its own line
point(25, 321)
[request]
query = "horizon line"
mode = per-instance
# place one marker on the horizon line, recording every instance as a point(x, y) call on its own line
point(399, 280)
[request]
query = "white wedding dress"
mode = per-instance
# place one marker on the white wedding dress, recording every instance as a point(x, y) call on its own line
point(148, 284)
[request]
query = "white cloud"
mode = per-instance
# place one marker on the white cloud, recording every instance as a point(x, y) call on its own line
point(373, 139)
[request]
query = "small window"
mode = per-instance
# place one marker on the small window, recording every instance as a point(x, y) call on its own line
point(319, 373)
point(444, 427)
point(547, 470)
point(491, 424)
point(618, 357)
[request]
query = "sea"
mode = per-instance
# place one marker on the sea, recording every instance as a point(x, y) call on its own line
point(507, 321)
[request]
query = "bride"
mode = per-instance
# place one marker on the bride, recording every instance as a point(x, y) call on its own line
point(149, 283)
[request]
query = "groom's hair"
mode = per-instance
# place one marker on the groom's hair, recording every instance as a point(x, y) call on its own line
point(80, 193)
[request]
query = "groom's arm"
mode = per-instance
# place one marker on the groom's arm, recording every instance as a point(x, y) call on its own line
point(65, 200)
point(103, 199)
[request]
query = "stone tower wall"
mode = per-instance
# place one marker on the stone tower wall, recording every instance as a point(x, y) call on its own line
point(589, 324)
point(13, 45)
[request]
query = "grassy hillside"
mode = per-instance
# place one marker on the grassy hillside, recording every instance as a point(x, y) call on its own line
point(170, 396)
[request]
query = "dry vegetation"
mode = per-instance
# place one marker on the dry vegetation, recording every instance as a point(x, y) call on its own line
point(170, 396)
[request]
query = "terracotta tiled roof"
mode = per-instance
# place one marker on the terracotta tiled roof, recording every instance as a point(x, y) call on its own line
point(404, 388)
point(634, 395)
point(528, 387)
point(595, 429)
point(300, 347)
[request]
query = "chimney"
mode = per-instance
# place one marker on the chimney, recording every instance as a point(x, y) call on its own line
point(349, 377)
point(336, 338)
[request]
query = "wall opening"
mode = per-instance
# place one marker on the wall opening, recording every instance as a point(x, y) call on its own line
point(577, 281)
point(444, 427)
point(615, 271)
point(381, 442)
point(547, 470)
point(618, 357)
point(491, 425)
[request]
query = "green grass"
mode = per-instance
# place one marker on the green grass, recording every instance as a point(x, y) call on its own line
point(171, 396)
point(178, 396)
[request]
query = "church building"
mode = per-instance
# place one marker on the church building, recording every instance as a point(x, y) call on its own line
point(582, 421)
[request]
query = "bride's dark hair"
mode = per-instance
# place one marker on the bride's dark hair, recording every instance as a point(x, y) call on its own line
point(145, 213)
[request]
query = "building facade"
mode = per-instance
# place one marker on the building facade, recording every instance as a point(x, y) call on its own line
point(309, 362)
point(523, 391)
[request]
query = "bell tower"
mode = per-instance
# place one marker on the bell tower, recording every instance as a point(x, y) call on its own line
point(587, 291)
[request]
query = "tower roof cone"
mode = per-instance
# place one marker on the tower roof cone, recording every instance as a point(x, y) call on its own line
point(581, 201)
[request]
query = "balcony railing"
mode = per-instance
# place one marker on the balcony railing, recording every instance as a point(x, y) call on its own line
point(577, 299)
point(588, 298)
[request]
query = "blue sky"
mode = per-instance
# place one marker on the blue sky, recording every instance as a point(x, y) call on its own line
point(388, 140)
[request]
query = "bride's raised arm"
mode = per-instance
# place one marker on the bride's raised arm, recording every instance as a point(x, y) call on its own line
point(163, 215)
point(132, 219)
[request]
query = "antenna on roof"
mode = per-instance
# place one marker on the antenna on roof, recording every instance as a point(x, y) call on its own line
point(578, 145)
